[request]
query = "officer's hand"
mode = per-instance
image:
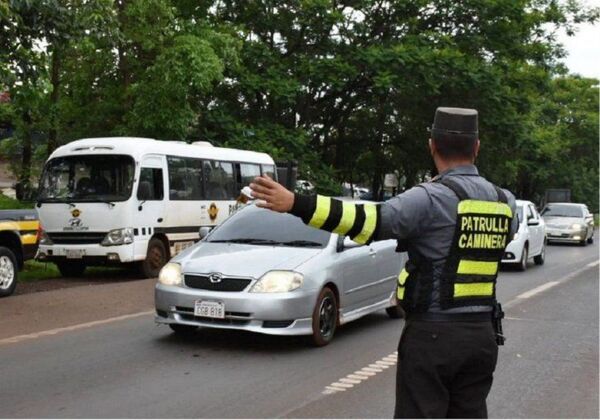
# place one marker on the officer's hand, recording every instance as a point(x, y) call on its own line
point(271, 194)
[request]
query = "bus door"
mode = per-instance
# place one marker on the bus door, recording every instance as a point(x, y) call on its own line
point(150, 194)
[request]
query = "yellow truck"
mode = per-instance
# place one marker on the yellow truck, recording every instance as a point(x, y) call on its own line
point(18, 243)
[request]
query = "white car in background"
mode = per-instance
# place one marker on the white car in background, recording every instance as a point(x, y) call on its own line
point(530, 239)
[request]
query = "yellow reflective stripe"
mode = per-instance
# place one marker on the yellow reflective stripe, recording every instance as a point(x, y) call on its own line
point(402, 277)
point(321, 212)
point(28, 225)
point(369, 224)
point(347, 220)
point(400, 293)
point(473, 289)
point(484, 207)
point(483, 268)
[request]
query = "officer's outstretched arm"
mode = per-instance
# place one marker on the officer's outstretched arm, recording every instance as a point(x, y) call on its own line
point(358, 221)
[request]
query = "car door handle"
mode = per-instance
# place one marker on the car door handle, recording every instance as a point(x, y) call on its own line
point(372, 252)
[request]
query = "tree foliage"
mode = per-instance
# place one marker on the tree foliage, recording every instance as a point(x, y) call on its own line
point(348, 88)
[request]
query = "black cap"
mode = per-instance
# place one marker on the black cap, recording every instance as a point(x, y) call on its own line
point(455, 121)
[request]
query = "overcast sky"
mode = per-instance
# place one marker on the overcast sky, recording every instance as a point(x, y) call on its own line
point(584, 48)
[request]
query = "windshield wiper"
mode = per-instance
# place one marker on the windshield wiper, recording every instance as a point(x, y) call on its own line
point(301, 243)
point(248, 241)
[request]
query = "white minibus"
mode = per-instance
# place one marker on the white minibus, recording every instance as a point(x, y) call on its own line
point(124, 200)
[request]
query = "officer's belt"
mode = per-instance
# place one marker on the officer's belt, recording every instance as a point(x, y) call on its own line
point(452, 317)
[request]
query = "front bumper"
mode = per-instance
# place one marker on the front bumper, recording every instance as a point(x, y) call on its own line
point(267, 313)
point(566, 235)
point(92, 254)
point(513, 252)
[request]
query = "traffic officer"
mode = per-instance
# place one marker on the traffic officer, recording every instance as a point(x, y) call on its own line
point(454, 229)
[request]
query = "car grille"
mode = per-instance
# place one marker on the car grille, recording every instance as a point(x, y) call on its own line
point(227, 284)
point(75, 238)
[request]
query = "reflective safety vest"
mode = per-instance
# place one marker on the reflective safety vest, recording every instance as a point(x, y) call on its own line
point(468, 277)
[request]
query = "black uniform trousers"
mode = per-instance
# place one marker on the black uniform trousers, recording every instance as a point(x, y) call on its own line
point(445, 369)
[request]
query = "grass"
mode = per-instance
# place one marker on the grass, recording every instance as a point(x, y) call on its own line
point(35, 270)
point(7, 203)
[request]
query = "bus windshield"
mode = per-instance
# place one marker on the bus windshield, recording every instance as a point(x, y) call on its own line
point(87, 178)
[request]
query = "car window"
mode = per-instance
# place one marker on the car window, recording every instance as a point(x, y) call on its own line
point(532, 213)
point(562, 210)
point(253, 223)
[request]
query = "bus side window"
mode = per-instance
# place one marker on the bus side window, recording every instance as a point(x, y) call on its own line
point(220, 181)
point(248, 172)
point(151, 184)
point(177, 183)
point(269, 170)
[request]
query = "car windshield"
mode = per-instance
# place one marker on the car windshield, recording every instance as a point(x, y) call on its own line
point(258, 226)
point(562, 210)
point(100, 178)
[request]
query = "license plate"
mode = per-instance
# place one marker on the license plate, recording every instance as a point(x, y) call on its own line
point(209, 309)
point(180, 246)
point(74, 253)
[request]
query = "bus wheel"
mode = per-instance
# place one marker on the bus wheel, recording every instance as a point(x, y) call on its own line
point(156, 258)
point(70, 268)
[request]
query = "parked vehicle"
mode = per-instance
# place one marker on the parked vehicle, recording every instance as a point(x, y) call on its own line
point(569, 222)
point(530, 239)
point(18, 243)
point(269, 273)
point(136, 201)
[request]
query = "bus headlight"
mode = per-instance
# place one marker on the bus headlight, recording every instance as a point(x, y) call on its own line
point(44, 239)
point(118, 237)
point(278, 282)
point(171, 275)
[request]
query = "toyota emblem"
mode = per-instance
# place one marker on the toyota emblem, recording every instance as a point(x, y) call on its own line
point(215, 277)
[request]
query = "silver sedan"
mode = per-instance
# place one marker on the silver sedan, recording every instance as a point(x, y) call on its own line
point(569, 222)
point(267, 272)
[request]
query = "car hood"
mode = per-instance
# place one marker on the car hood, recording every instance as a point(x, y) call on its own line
point(243, 260)
point(562, 222)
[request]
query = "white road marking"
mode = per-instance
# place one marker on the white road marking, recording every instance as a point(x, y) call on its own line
point(364, 372)
point(350, 381)
point(24, 337)
point(549, 285)
point(593, 264)
point(537, 290)
point(359, 376)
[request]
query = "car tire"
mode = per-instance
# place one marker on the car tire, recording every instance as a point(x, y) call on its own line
point(71, 268)
point(9, 272)
point(539, 259)
point(522, 265)
point(182, 329)
point(324, 318)
point(591, 239)
point(395, 312)
point(156, 258)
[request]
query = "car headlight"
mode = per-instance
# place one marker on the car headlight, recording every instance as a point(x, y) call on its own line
point(118, 237)
point(278, 282)
point(171, 275)
point(576, 226)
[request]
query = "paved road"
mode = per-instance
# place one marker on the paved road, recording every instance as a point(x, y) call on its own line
point(131, 368)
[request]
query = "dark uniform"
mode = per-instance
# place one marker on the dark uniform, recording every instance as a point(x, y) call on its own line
point(455, 229)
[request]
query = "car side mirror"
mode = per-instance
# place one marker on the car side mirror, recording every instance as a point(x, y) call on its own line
point(203, 232)
point(345, 242)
